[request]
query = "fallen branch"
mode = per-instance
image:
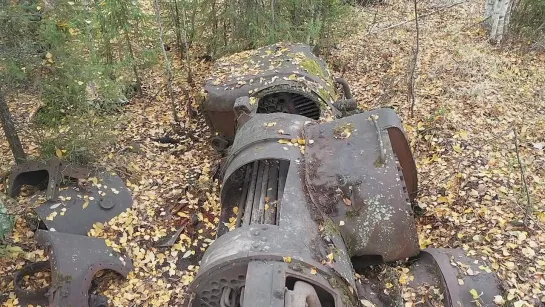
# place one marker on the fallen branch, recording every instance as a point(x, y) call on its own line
point(422, 16)
point(523, 179)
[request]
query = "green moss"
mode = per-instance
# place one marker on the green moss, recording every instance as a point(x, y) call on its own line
point(378, 162)
point(313, 67)
point(352, 214)
point(330, 228)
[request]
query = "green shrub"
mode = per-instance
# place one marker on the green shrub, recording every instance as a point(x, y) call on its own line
point(78, 139)
point(230, 26)
point(528, 18)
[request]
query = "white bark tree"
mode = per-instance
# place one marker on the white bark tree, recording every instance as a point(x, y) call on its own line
point(497, 14)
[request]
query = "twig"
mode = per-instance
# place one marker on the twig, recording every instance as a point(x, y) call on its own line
point(423, 15)
point(410, 82)
point(523, 179)
point(157, 93)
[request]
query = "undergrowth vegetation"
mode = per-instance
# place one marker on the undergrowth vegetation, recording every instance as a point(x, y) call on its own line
point(88, 59)
point(529, 20)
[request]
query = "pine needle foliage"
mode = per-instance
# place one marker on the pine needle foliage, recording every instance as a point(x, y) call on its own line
point(224, 27)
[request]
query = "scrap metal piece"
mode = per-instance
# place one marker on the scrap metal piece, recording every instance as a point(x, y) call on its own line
point(32, 297)
point(70, 207)
point(352, 174)
point(77, 208)
point(74, 262)
point(49, 174)
point(443, 267)
point(39, 297)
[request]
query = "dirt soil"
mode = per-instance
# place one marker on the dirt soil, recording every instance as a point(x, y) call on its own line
point(470, 96)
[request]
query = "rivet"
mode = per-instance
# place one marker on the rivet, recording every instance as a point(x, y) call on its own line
point(255, 244)
point(264, 239)
point(265, 227)
point(255, 233)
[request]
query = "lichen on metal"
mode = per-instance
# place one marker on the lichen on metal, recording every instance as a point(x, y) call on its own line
point(288, 69)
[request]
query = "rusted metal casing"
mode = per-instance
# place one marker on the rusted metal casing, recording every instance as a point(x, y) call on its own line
point(74, 198)
point(286, 78)
point(290, 178)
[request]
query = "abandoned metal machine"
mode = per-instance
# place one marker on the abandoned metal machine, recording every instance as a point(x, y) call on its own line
point(318, 194)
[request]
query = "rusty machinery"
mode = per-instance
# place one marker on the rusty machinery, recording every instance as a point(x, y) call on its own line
point(71, 199)
point(320, 193)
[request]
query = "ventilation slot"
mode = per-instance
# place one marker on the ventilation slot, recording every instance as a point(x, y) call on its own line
point(263, 188)
point(293, 103)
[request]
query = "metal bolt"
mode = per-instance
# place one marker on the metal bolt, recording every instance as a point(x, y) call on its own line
point(264, 227)
point(278, 293)
point(255, 233)
point(255, 244)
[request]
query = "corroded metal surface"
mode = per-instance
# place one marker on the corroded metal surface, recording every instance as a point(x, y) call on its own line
point(32, 297)
point(48, 174)
point(78, 207)
point(74, 261)
point(444, 267)
point(279, 69)
point(353, 175)
point(68, 205)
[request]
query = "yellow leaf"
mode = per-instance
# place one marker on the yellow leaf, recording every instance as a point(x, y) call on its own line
point(474, 293)
point(442, 199)
point(58, 153)
point(85, 204)
point(313, 271)
point(463, 134)
point(287, 259)
point(292, 77)
point(48, 55)
point(330, 256)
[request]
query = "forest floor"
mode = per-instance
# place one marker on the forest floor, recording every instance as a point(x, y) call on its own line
point(470, 96)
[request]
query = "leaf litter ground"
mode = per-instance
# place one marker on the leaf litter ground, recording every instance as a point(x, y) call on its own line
point(470, 96)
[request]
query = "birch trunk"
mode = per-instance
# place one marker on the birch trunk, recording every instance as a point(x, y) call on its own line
point(497, 18)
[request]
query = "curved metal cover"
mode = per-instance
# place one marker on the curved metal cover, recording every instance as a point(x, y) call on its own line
point(360, 188)
point(444, 267)
point(251, 71)
point(74, 261)
point(77, 208)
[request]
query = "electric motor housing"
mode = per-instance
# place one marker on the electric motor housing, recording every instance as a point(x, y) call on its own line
point(285, 78)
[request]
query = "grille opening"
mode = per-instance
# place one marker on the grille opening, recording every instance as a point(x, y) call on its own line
point(286, 102)
point(326, 299)
point(256, 190)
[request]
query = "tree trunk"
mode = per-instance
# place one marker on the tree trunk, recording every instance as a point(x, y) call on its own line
point(125, 22)
point(168, 69)
point(10, 132)
point(497, 18)
point(181, 47)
